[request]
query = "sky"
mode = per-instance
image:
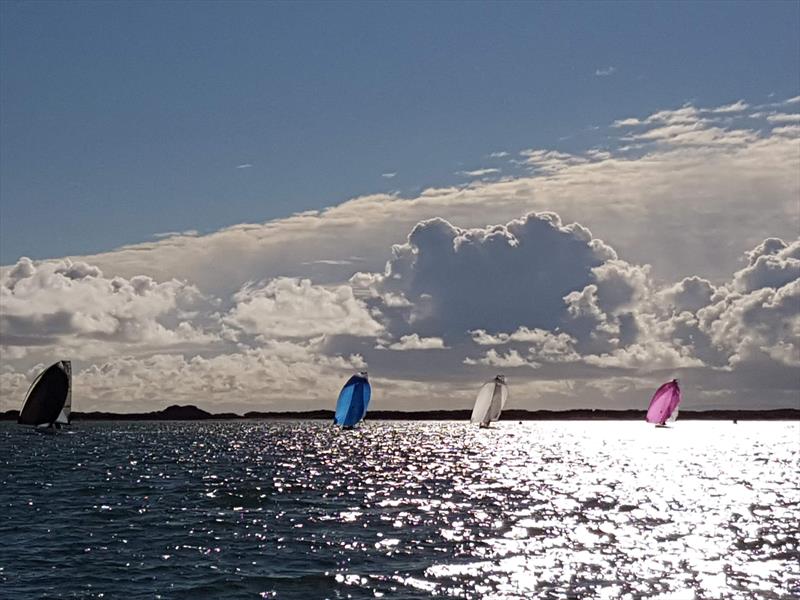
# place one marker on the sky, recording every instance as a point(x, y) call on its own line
point(235, 205)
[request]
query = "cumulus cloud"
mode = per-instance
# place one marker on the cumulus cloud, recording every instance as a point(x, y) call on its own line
point(261, 378)
point(493, 358)
point(295, 308)
point(680, 194)
point(534, 297)
point(772, 263)
point(414, 342)
point(548, 346)
point(760, 326)
point(73, 305)
point(690, 294)
point(494, 278)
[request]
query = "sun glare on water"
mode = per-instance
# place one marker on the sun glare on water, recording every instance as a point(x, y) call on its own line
point(407, 509)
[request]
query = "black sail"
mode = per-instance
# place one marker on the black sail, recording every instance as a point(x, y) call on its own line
point(46, 396)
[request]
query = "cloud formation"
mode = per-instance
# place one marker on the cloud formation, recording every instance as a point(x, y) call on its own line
point(492, 278)
point(295, 308)
point(670, 252)
point(605, 71)
point(479, 172)
point(414, 342)
point(73, 306)
point(541, 300)
point(685, 189)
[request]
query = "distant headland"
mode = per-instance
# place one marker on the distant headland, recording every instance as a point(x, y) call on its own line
point(192, 413)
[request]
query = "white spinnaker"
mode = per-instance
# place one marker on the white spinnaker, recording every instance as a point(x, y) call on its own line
point(499, 397)
point(483, 402)
point(489, 404)
point(63, 416)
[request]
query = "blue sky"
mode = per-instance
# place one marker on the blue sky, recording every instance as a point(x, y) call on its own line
point(121, 121)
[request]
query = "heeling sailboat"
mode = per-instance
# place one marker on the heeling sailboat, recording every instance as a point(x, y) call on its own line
point(351, 407)
point(664, 404)
point(491, 400)
point(48, 403)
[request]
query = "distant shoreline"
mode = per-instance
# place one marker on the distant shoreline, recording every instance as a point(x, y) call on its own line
point(192, 413)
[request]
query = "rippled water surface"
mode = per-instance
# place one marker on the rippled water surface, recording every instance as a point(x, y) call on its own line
point(401, 510)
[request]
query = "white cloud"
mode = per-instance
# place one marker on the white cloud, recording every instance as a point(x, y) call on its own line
point(414, 342)
point(640, 199)
point(773, 263)
point(693, 190)
point(244, 166)
point(550, 161)
point(494, 278)
point(573, 310)
point(737, 106)
point(629, 122)
point(73, 306)
point(784, 118)
point(294, 308)
point(170, 234)
point(260, 378)
point(510, 359)
point(605, 71)
point(756, 327)
point(479, 172)
point(691, 294)
point(499, 154)
point(389, 175)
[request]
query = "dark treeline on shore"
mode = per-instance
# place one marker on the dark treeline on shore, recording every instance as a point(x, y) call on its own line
point(192, 413)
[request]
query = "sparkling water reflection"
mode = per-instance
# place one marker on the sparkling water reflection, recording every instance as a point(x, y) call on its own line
point(402, 510)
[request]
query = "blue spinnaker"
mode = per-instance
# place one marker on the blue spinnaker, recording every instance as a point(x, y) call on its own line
point(353, 401)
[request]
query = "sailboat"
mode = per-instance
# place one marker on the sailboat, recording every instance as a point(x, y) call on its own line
point(48, 403)
point(491, 399)
point(664, 404)
point(353, 401)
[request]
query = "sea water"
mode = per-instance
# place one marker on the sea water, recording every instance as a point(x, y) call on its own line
point(248, 509)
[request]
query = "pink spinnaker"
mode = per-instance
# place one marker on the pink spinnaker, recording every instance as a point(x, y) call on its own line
point(664, 402)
